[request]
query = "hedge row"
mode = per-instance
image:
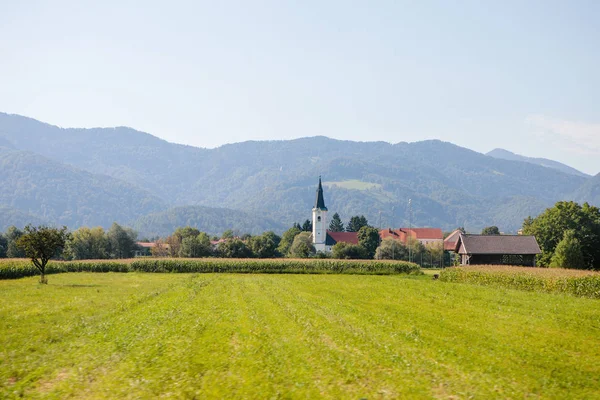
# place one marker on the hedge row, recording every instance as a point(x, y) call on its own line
point(12, 269)
point(519, 278)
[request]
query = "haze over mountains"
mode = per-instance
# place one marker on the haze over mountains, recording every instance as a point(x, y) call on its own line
point(544, 162)
point(97, 176)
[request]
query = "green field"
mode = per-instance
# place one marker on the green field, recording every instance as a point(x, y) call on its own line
point(140, 335)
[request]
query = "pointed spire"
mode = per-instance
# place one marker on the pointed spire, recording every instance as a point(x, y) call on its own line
point(320, 202)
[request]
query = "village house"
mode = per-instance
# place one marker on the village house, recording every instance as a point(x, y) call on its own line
point(426, 236)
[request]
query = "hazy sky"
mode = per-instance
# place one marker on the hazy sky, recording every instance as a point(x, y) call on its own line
point(522, 75)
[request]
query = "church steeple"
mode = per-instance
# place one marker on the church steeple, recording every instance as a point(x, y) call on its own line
point(320, 202)
point(319, 220)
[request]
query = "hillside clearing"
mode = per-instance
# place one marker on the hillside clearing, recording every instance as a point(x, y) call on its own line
point(141, 335)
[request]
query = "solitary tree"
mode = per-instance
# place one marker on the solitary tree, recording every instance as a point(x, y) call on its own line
point(336, 224)
point(490, 230)
point(41, 244)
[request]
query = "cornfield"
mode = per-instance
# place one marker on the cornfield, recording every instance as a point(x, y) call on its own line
point(18, 268)
point(554, 280)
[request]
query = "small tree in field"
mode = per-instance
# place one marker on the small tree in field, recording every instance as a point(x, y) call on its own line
point(41, 244)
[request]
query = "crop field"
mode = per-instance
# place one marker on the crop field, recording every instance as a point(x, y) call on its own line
point(147, 335)
point(19, 268)
point(557, 280)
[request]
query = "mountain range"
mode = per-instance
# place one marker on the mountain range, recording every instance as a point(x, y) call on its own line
point(96, 176)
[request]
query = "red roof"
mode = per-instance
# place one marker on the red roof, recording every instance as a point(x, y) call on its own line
point(450, 241)
point(397, 234)
point(402, 234)
point(347, 237)
point(148, 245)
point(428, 233)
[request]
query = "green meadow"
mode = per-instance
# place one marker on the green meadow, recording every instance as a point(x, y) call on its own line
point(143, 335)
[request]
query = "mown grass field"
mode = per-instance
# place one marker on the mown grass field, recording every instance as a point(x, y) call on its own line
point(142, 335)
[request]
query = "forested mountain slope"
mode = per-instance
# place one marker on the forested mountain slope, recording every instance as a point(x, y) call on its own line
point(589, 191)
point(449, 185)
point(207, 219)
point(60, 194)
point(544, 162)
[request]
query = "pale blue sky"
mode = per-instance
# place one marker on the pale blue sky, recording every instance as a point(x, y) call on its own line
point(522, 75)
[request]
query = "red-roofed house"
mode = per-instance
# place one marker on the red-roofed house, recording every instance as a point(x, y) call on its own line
point(423, 235)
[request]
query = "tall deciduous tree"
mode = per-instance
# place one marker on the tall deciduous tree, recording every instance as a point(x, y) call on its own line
point(568, 252)
point(550, 226)
point(42, 243)
point(87, 243)
point(287, 239)
point(234, 248)
point(302, 246)
point(122, 241)
point(356, 223)
point(195, 246)
point(368, 237)
point(12, 235)
point(391, 249)
point(265, 245)
point(336, 224)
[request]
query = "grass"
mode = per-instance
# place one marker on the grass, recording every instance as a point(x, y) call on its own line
point(141, 335)
point(575, 282)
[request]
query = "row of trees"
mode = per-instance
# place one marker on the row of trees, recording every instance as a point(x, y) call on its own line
point(336, 224)
point(83, 243)
point(120, 242)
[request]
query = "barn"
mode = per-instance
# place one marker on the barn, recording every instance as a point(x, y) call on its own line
point(497, 249)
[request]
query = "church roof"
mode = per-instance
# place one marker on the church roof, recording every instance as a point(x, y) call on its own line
point(320, 202)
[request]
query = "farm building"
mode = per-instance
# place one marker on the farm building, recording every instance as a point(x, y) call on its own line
point(497, 249)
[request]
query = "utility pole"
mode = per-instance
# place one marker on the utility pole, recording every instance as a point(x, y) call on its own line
point(409, 229)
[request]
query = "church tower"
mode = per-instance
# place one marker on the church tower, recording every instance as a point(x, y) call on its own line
point(319, 220)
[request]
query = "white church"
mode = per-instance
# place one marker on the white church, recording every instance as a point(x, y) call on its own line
point(323, 239)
